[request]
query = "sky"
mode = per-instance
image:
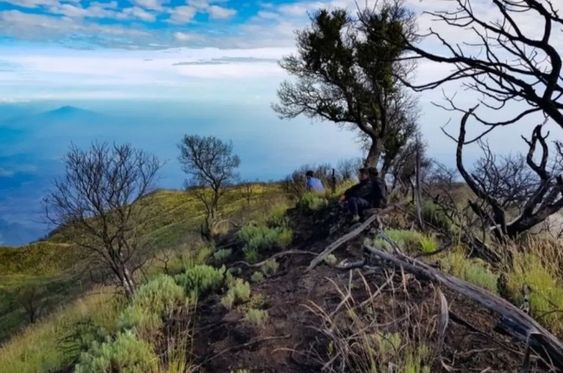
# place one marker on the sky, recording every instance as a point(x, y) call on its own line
point(156, 69)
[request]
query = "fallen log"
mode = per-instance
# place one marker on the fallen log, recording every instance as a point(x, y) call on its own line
point(512, 320)
point(341, 241)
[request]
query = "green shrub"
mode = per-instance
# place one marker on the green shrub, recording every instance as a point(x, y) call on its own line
point(270, 267)
point(312, 202)
point(260, 238)
point(409, 241)
point(150, 303)
point(474, 271)
point(428, 244)
point(546, 289)
point(331, 260)
point(435, 215)
point(257, 277)
point(238, 292)
point(221, 255)
point(125, 354)
point(256, 316)
point(201, 279)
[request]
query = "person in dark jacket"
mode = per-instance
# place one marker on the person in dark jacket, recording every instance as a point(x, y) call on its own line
point(379, 194)
point(359, 196)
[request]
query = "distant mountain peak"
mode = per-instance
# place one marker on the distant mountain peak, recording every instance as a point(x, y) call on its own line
point(67, 109)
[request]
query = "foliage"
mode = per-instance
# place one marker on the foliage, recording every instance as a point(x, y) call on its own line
point(201, 279)
point(474, 271)
point(270, 267)
point(256, 317)
point(257, 277)
point(260, 238)
point(222, 255)
point(428, 244)
point(150, 304)
point(126, 353)
point(435, 215)
point(312, 202)
point(41, 347)
point(410, 241)
point(341, 65)
point(331, 260)
point(540, 270)
point(238, 292)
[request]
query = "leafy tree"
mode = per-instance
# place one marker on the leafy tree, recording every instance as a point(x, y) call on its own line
point(211, 167)
point(97, 204)
point(347, 70)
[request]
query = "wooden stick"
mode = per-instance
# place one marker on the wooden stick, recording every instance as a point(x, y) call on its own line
point(273, 257)
point(517, 323)
point(341, 241)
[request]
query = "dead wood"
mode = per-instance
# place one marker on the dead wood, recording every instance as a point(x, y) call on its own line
point(512, 320)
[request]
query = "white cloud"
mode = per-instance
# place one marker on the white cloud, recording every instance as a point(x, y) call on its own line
point(150, 4)
point(44, 27)
point(139, 13)
point(186, 37)
point(31, 3)
point(182, 14)
point(217, 12)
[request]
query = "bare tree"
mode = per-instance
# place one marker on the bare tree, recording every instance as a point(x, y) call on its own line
point(346, 73)
point(544, 198)
point(211, 167)
point(508, 53)
point(98, 202)
point(516, 70)
point(30, 299)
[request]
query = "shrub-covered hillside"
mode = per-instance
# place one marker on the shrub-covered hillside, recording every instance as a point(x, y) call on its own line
point(43, 276)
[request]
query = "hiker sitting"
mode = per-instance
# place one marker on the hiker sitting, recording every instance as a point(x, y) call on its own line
point(379, 191)
point(314, 184)
point(359, 197)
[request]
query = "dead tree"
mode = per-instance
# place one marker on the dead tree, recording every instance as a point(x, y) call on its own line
point(211, 167)
point(98, 204)
point(499, 57)
point(516, 71)
point(544, 199)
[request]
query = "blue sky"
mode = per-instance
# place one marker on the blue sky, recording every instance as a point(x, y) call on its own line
point(161, 68)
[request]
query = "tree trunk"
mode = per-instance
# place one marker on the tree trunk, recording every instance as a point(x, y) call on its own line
point(374, 153)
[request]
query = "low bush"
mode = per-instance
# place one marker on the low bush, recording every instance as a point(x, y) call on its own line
point(270, 267)
point(126, 353)
point(256, 317)
point(408, 240)
point(435, 215)
point(151, 303)
point(222, 255)
point(201, 279)
point(257, 277)
point(312, 202)
point(474, 271)
point(238, 292)
point(260, 238)
point(539, 273)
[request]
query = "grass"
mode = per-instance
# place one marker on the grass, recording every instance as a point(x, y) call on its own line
point(258, 238)
point(474, 271)
point(256, 317)
point(38, 348)
point(411, 241)
point(237, 293)
point(312, 202)
point(57, 269)
point(539, 265)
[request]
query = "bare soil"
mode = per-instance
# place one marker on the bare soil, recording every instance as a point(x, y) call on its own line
point(290, 340)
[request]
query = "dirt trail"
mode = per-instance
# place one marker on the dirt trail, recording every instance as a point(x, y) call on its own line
point(289, 341)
